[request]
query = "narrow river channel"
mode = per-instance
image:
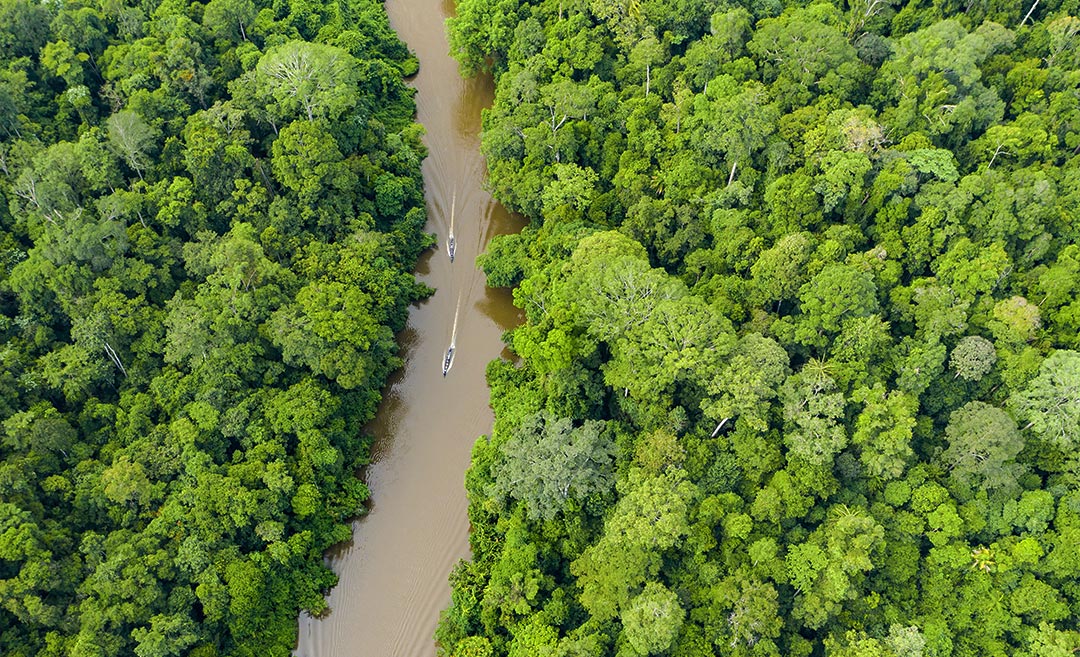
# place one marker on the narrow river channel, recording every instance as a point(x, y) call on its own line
point(394, 573)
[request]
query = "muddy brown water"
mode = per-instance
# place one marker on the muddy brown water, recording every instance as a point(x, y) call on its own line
point(393, 575)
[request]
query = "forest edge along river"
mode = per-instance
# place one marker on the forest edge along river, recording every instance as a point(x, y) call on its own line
point(393, 574)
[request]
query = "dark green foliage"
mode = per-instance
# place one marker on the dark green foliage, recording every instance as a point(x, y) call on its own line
point(209, 216)
point(815, 267)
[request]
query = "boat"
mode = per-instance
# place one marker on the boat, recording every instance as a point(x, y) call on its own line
point(448, 360)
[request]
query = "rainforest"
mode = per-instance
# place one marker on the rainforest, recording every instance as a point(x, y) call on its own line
point(211, 215)
point(800, 372)
point(800, 367)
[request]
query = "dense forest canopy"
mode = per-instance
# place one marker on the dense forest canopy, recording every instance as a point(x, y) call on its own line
point(210, 215)
point(801, 367)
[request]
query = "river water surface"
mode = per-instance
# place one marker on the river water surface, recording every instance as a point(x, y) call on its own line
point(393, 575)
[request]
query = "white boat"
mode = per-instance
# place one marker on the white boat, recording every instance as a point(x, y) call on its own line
point(448, 360)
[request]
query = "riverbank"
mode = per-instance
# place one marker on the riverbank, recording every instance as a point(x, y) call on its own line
point(393, 575)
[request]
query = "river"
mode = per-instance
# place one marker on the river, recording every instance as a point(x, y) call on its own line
point(393, 575)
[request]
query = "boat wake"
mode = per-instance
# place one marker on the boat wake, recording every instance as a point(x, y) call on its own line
point(451, 245)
